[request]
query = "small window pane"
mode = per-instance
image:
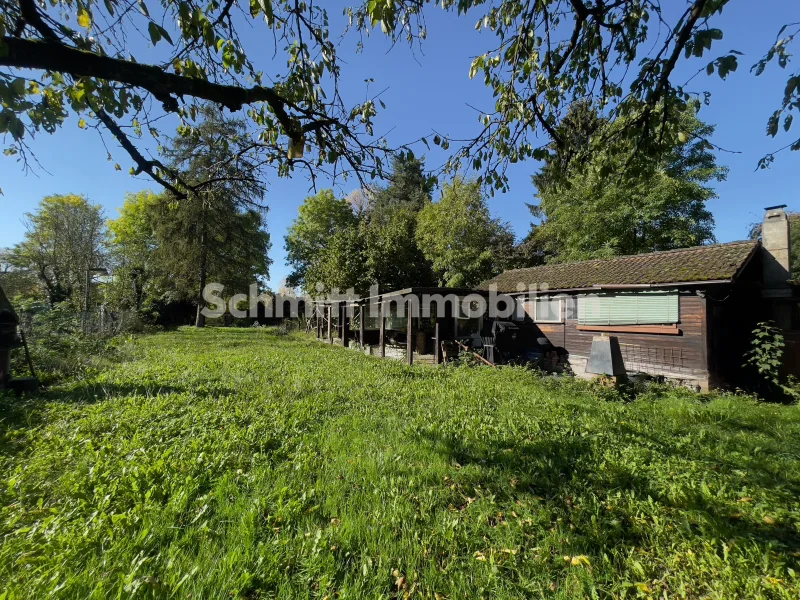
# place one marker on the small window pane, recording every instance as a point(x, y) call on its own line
point(572, 308)
point(548, 309)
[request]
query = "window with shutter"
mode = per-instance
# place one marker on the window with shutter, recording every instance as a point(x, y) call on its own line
point(632, 308)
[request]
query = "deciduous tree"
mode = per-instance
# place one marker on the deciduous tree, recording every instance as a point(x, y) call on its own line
point(596, 202)
point(550, 54)
point(76, 57)
point(64, 239)
point(458, 235)
point(320, 217)
point(393, 257)
point(132, 243)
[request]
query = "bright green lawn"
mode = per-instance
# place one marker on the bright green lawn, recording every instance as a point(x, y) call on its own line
point(239, 463)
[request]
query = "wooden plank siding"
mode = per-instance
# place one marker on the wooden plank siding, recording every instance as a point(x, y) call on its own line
point(687, 351)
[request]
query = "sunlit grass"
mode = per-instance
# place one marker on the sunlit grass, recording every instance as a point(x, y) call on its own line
point(239, 463)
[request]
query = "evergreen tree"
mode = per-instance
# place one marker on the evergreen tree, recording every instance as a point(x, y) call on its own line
point(218, 232)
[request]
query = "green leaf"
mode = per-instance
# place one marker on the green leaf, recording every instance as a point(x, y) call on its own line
point(155, 34)
point(165, 34)
point(266, 6)
point(18, 86)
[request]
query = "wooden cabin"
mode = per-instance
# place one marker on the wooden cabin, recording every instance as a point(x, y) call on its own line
point(686, 315)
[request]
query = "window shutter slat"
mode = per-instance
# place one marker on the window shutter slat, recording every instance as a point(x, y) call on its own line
point(638, 308)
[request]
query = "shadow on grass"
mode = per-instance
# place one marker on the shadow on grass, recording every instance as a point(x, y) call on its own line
point(557, 471)
point(759, 468)
point(29, 412)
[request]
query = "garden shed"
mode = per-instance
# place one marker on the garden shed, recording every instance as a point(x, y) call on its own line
point(685, 314)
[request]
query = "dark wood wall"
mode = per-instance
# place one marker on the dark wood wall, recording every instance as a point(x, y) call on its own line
point(733, 313)
point(656, 353)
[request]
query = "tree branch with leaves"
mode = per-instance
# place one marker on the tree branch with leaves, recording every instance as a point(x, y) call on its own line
point(75, 57)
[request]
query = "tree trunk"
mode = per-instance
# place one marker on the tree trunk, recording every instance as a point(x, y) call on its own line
point(200, 321)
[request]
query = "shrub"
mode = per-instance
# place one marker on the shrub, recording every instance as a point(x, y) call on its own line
point(58, 346)
point(765, 357)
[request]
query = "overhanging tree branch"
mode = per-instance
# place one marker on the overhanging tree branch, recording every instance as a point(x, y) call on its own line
point(58, 57)
point(143, 165)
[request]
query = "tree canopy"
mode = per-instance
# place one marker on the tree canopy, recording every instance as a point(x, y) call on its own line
point(132, 242)
point(593, 207)
point(393, 258)
point(77, 57)
point(459, 236)
point(320, 217)
point(64, 239)
point(621, 56)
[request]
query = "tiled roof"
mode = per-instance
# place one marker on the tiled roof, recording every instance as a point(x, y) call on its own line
point(687, 265)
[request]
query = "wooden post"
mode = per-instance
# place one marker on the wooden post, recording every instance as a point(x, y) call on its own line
point(319, 322)
point(5, 367)
point(383, 330)
point(362, 326)
point(455, 322)
point(410, 336)
point(345, 326)
point(437, 343)
point(329, 310)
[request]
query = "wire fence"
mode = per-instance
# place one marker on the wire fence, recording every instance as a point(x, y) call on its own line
point(654, 360)
point(99, 322)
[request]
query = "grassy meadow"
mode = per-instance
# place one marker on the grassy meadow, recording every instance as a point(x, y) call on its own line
point(232, 463)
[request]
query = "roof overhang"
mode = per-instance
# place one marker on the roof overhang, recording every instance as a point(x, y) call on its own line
point(623, 286)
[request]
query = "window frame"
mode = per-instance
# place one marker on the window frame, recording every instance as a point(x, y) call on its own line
point(537, 299)
point(635, 320)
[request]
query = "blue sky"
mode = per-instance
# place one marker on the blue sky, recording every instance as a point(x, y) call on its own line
point(431, 89)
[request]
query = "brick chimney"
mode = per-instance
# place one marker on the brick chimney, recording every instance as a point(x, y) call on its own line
point(777, 263)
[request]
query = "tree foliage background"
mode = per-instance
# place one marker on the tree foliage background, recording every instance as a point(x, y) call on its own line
point(76, 57)
point(399, 238)
point(596, 202)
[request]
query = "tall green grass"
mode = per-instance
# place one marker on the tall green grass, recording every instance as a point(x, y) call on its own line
point(242, 464)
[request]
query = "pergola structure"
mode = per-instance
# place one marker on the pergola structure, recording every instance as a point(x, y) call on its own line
point(427, 326)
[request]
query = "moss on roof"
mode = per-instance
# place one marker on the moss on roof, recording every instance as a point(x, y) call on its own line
point(687, 265)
